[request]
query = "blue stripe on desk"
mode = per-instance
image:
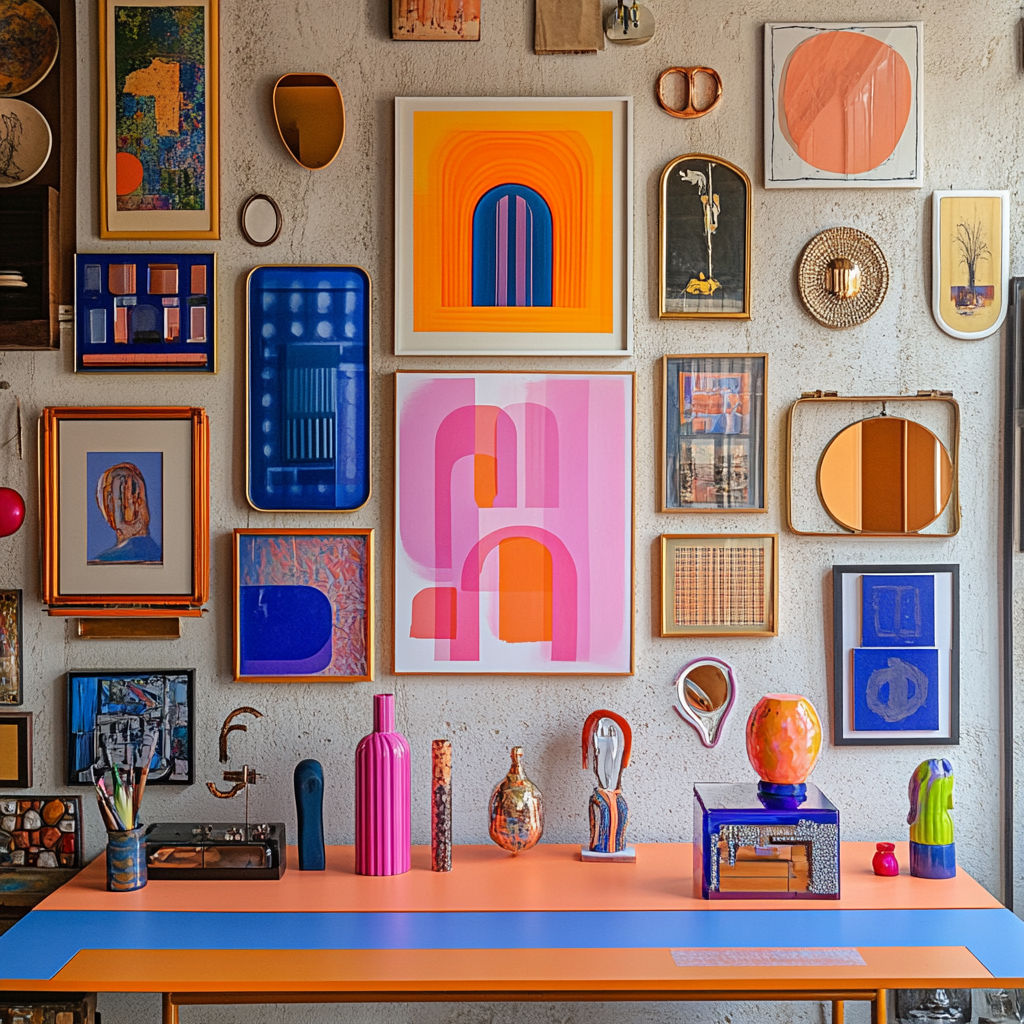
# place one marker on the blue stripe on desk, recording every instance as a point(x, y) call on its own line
point(39, 945)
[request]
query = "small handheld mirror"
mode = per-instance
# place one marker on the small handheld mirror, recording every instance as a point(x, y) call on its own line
point(705, 691)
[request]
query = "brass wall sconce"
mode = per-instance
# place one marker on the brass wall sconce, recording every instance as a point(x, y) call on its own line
point(629, 24)
point(310, 115)
point(842, 277)
point(697, 81)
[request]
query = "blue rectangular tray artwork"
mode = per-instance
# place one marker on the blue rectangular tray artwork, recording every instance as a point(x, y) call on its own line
point(145, 313)
point(308, 404)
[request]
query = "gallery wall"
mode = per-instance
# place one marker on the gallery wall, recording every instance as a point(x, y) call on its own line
point(344, 214)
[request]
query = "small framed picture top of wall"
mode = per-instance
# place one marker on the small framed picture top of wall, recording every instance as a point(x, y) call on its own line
point(897, 654)
point(714, 433)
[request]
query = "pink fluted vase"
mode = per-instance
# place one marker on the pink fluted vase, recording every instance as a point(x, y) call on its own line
point(383, 795)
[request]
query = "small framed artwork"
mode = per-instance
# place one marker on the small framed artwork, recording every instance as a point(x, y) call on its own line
point(715, 584)
point(125, 509)
point(118, 715)
point(714, 430)
point(56, 820)
point(443, 21)
point(16, 749)
point(514, 523)
point(704, 259)
point(12, 670)
point(159, 120)
point(308, 397)
point(843, 105)
point(897, 654)
point(513, 226)
point(303, 610)
point(145, 313)
point(970, 262)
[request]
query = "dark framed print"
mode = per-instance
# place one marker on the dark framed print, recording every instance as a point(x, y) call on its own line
point(714, 433)
point(704, 252)
point(121, 713)
point(125, 509)
point(896, 665)
point(11, 666)
point(16, 749)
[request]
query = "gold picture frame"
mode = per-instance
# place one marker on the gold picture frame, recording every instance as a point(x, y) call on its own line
point(698, 211)
point(135, 177)
point(727, 435)
point(145, 550)
point(701, 575)
point(334, 594)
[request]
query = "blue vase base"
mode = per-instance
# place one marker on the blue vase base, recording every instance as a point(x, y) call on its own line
point(933, 861)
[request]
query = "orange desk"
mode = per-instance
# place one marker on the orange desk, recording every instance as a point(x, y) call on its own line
point(541, 926)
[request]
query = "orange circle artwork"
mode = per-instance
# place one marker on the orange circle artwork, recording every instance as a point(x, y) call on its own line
point(129, 173)
point(845, 101)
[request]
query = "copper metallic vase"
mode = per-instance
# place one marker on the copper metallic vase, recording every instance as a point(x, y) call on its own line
point(517, 809)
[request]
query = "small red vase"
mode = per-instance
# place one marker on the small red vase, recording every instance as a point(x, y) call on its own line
point(12, 511)
point(884, 861)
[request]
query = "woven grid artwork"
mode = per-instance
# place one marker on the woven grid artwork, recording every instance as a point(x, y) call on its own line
point(719, 586)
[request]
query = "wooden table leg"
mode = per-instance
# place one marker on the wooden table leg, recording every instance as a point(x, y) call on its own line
point(170, 1009)
point(838, 1011)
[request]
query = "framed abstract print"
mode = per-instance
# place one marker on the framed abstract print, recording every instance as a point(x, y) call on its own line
point(843, 105)
point(970, 262)
point(896, 664)
point(16, 749)
point(446, 21)
point(122, 713)
point(513, 226)
point(704, 257)
point(12, 669)
point(717, 584)
point(714, 430)
point(303, 608)
point(514, 523)
point(145, 313)
point(57, 820)
point(308, 395)
point(125, 509)
point(159, 119)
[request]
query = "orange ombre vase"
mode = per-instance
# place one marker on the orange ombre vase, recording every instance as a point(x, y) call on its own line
point(783, 742)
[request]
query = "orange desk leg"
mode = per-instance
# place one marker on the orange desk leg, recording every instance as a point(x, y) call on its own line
point(170, 1010)
point(838, 1011)
point(878, 1010)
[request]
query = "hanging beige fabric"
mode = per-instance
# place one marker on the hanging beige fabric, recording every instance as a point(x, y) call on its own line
point(568, 26)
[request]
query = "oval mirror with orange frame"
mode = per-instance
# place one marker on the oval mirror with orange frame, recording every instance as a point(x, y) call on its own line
point(310, 115)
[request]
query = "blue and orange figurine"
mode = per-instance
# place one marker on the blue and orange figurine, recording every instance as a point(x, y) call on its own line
point(932, 850)
point(608, 737)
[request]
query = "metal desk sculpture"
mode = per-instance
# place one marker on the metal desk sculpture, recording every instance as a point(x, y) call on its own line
point(608, 737)
point(776, 840)
point(932, 850)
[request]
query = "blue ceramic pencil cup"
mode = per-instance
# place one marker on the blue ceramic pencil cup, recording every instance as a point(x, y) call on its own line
point(126, 860)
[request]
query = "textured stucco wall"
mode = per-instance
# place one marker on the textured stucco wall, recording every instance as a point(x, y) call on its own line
point(973, 138)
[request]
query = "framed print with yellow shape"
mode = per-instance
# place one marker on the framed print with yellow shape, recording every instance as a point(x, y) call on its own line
point(159, 119)
point(513, 226)
point(970, 262)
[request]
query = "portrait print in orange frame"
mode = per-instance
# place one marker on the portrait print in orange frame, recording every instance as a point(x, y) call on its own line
point(843, 105)
point(513, 226)
point(445, 21)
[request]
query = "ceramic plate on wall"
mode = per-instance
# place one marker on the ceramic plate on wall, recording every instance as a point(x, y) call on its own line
point(25, 142)
point(28, 45)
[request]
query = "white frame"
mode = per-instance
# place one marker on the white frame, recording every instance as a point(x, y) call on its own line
point(815, 178)
point(619, 342)
point(1004, 249)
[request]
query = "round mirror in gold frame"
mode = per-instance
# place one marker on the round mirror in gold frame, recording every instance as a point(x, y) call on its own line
point(310, 115)
point(885, 475)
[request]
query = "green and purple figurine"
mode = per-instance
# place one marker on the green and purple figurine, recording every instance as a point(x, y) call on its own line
point(932, 850)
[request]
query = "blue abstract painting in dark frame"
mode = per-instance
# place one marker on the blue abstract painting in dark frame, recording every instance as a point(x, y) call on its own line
point(115, 711)
point(308, 402)
point(896, 688)
point(898, 611)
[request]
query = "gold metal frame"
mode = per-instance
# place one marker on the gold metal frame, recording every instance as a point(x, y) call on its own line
point(632, 504)
point(236, 647)
point(280, 131)
point(663, 465)
point(662, 313)
point(690, 74)
point(945, 397)
point(212, 120)
point(712, 540)
point(369, 388)
point(150, 605)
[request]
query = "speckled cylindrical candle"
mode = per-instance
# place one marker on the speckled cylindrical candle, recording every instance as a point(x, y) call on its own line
point(441, 806)
point(383, 795)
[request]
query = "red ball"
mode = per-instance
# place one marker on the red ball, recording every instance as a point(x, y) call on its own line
point(12, 511)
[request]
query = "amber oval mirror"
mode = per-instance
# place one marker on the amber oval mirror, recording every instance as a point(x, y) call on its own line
point(885, 475)
point(260, 220)
point(310, 115)
point(705, 691)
